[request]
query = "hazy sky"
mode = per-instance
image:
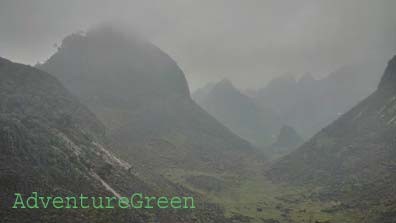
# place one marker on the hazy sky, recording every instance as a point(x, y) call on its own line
point(247, 41)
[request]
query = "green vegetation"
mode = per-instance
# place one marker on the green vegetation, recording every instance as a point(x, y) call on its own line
point(256, 199)
point(52, 144)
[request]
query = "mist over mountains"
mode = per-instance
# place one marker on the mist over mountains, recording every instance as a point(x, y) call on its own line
point(306, 104)
point(142, 96)
point(53, 144)
point(239, 112)
point(60, 146)
point(309, 104)
point(110, 113)
point(354, 157)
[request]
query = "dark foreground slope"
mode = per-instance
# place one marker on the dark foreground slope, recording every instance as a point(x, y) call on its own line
point(142, 96)
point(52, 144)
point(353, 159)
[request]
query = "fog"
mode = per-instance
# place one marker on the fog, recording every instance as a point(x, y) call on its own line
point(247, 41)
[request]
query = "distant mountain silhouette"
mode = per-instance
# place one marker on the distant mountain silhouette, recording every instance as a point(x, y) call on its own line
point(239, 113)
point(310, 104)
point(353, 159)
point(202, 93)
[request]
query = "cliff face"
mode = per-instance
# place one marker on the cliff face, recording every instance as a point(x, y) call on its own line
point(354, 157)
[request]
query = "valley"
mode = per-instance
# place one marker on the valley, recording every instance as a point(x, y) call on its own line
point(257, 199)
point(197, 112)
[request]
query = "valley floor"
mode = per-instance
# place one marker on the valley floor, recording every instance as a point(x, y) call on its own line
point(256, 199)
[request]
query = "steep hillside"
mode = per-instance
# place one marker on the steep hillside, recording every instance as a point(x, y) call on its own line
point(353, 159)
point(239, 113)
point(142, 96)
point(52, 144)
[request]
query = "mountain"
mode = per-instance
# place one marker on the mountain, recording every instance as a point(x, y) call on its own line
point(288, 139)
point(142, 96)
point(202, 93)
point(50, 143)
point(53, 145)
point(239, 113)
point(353, 159)
point(309, 104)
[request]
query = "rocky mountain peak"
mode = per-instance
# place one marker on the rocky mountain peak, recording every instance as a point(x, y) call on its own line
point(225, 83)
point(225, 87)
point(306, 79)
point(117, 63)
point(388, 80)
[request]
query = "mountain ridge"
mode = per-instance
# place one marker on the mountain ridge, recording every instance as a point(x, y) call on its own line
point(310, 104)
point(239, 113)
point(142, 97)
point(52, 144)
point(352, 159)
